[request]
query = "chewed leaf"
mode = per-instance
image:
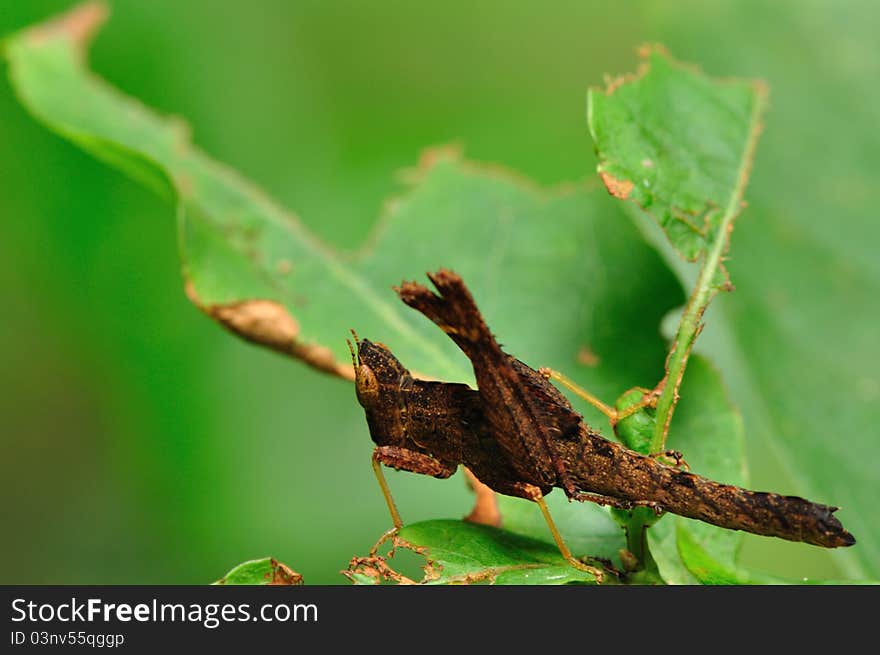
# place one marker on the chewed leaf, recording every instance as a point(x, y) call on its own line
point(679, 144)
point(458, 552)
point(265, 571)
point(257, 270)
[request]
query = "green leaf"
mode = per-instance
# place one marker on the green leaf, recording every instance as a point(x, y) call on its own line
point(680, 145)
point(458, 552)
point(265, 571)
point(710, 571)
point(664, 549)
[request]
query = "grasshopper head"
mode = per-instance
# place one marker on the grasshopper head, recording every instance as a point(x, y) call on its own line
point(377, 371)
point(379, 380)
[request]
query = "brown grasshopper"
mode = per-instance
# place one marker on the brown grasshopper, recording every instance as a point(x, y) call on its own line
point(521, 436)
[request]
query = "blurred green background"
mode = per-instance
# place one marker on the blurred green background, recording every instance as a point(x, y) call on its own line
point(143, 444)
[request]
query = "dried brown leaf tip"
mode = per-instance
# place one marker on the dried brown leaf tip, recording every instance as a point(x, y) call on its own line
point(617, 188)
point(281, 574)
point(268, 323)
point(79, 24)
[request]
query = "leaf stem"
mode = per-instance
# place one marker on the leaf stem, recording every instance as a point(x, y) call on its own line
point(636, 539)
point(690, 325)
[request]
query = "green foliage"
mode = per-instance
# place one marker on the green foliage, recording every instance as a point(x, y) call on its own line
point(570, 256)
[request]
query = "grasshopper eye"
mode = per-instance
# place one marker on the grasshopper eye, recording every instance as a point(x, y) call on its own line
point(366, 385)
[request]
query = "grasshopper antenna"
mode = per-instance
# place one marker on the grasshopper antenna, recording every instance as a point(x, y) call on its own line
point(351, 348)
